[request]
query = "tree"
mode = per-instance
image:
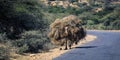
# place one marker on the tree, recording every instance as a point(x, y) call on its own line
point(19, 15)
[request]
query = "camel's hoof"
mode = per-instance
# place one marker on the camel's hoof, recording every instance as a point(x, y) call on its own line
point(76, 43)
point(60, 48)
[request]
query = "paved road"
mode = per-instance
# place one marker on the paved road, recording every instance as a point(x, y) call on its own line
point(105, 47)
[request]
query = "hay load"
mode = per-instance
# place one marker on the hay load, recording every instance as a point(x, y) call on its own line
point(67, 29)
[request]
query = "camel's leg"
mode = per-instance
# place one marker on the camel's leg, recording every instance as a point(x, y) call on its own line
point(77, 40)
point(60, 48)
point(66, 45)
point(70, 44)
point(62, 45)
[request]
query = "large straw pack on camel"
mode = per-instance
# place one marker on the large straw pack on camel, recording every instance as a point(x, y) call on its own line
point(67, 29)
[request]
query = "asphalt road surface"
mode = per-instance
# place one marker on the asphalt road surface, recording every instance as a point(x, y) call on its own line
point(105, 47)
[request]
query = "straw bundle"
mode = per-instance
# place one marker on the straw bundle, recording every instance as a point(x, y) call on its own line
point(67, 27)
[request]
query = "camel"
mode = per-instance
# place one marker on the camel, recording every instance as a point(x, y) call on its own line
point(73, 37)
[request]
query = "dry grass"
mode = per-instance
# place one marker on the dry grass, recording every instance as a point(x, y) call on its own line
point(65, 27)
point(53, 52)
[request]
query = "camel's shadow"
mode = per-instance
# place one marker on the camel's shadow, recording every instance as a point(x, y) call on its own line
point(86, 47)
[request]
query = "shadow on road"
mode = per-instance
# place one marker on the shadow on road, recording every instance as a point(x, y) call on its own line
point(86, 47)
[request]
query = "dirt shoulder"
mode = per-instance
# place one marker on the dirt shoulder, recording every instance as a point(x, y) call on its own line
point(53, 52)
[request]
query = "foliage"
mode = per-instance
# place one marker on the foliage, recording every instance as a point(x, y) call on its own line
point(19, 16)
point(32, 41)
point(116, 25)
point(4, 53)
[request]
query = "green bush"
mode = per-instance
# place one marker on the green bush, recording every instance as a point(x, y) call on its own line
point(33, 41)
point(116, 25)
point(22, 49)
point(4, 53)
point(90, 22)
point(20, 16)
point(56, 9)
point(3, 38)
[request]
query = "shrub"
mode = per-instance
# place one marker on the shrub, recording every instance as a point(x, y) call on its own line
point(22, 49)
point(116, 24)
point(20, 16)
point(33, 41)
point(3, 38)
point(4, 53)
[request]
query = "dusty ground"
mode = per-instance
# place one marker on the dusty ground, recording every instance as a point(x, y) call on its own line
point(53, 53)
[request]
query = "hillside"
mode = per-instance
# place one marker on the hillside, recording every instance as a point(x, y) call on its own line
point(64, 3)
point(99, 14)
